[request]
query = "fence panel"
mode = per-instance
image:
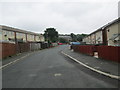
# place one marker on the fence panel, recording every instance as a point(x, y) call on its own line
point(109, 53)
point(35, 46)
point(22, 47)
point(0, 50)
point(8, 49)
point(86, 49)
point(106, 52)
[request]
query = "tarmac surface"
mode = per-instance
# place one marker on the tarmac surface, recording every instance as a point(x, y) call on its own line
point(49, 68)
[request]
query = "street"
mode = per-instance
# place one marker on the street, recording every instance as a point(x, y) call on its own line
point(50, 69)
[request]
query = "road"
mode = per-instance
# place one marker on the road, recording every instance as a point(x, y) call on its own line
point(50, 69)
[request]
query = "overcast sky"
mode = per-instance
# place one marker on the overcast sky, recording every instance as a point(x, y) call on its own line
point(67, 16)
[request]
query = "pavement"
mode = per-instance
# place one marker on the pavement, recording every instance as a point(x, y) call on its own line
point(49, 68)
point(106, 66)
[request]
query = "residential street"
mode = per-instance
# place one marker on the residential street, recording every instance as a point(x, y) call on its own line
point(49, 68)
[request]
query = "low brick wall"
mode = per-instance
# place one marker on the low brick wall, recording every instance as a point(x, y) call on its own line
point(7, 49)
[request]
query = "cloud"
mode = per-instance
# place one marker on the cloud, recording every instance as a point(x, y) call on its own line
point(66, 17)
point(98, 1)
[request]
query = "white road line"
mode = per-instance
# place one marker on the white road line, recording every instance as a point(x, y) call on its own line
point(1, 67)
point(93, 69)
point(14, 61)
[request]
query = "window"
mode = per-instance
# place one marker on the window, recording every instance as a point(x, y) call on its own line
point(115, 36)
point(30, 37)
point(8, 36)
point(21, 37)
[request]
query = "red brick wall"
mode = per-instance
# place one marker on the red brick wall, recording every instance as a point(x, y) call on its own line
point(7, 49)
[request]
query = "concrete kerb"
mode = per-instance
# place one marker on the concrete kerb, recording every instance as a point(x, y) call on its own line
point(12, 62)
point(91, 68)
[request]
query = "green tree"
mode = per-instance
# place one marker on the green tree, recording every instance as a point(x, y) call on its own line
point(51, 35)
point(73, 36)
point(80, 37)
point(63, 40)
point(77, 37)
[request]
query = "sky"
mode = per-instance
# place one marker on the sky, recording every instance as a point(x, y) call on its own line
point(66, 16)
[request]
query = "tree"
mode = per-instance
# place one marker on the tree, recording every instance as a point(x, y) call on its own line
point(80, 37)
point(63, 40)
point(77, 37)
point(51, 35)
point(73, 36)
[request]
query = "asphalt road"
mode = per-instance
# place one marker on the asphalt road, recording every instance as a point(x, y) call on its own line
point(50, 69)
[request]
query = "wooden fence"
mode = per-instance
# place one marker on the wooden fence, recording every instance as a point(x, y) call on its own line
point(8, 49)
point(109, 53)
point(84, 49)
point(105, 52)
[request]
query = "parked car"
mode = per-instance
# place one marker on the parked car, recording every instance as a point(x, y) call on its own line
point(74, 43)
point(60, 43)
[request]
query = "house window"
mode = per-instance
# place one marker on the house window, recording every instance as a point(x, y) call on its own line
point(21, 37)
point(8, 36)
point(37, 38)
point(30, 37)
point(114, 36)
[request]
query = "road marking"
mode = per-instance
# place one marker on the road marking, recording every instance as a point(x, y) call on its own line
point(15, 61)
point(93, 69)
point(57, 74)
point(1, 67)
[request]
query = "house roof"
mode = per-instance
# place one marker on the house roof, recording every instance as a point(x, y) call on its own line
point(17, 30)
point(64, 34)
point(105, 26)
